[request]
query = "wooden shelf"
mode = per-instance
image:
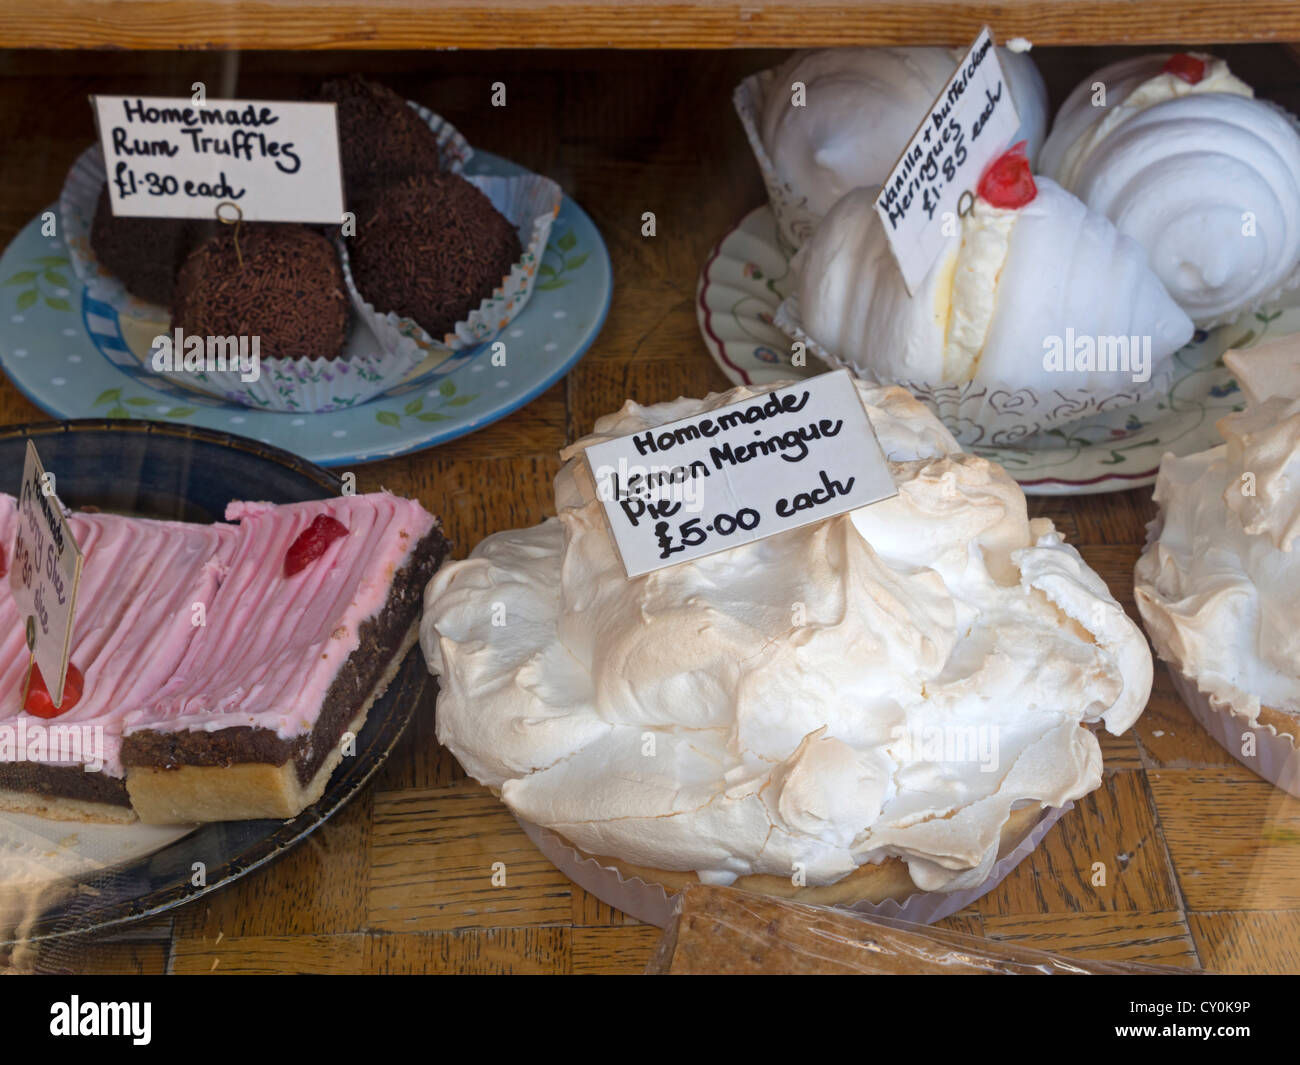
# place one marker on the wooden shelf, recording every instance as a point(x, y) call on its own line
point(479, 24)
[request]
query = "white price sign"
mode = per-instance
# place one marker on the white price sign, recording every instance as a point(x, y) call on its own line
point(740, 473)
point(45, 573)
point(969, 125)
point(170, 157)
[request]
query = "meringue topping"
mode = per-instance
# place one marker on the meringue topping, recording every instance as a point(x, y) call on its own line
point(1218, 587)
point(770, 709)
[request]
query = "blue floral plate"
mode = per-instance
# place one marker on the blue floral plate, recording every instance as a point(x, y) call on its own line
point(73, 357)
point(747, 276)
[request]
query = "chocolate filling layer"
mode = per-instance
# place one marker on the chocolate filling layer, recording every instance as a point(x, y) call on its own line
point(380, 635)
point(63, 782)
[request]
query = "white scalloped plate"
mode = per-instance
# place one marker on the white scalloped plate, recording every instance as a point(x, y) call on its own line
point(746, 276)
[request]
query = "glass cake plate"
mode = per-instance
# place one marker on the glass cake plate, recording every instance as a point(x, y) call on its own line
point(59, 878)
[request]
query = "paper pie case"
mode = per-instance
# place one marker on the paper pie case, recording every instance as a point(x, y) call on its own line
point(1275, 759)
point(530, 202)
point(989, 414)
point(652, 903)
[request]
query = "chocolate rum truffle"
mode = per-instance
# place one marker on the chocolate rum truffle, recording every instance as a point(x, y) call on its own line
point(287, 291)
point(143, 253)
point(381, 139)
point(431, 248)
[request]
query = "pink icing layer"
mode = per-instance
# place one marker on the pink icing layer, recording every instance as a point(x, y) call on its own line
point(140, 580)
point(270, 646)
point(273, 645)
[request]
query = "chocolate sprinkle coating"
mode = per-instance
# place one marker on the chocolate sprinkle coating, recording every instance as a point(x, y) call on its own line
point(289, 291)
point(381, 139)
point(432, 248)
point(143, 253)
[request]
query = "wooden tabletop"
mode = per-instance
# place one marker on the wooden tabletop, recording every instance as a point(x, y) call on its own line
point(1201, 857)
point(484, 24)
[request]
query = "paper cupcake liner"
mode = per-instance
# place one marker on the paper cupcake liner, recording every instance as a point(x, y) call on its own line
point(1276, 758)
point(988, 413)
point(795, 220)
point(453, 150)
point(530, 202)
point(651, 903)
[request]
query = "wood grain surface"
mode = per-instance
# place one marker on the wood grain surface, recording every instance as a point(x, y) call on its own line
point(485, 24)
point(1199, 859)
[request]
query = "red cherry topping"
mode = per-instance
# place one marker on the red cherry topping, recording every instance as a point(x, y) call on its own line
point(39, 703)
point(1008, 182)
point(311, 543)
point(1185, 66)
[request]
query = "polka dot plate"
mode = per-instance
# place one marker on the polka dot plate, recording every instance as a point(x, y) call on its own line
point(73, 357)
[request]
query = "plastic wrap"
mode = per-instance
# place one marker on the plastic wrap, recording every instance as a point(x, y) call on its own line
point(724, 931)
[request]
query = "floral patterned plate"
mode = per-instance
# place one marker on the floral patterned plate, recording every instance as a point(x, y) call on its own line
point(746, 276)
point(71, 354)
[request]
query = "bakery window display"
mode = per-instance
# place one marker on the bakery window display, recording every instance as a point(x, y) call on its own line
point(222, 664)
point(765, 716)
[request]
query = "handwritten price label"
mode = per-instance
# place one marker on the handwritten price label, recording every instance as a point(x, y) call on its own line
point(969, 125)
point(740, 473)
point(171, 157)
point(45, 573)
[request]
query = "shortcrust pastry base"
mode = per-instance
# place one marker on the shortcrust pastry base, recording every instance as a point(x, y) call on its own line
point(868, 883)
point(249, 790)
point(60, 808)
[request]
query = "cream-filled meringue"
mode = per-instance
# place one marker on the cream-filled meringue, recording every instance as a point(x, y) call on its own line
point(1047, 300)
point(1180, 156)
point(1218, 586)
point(793, 702)
point(861, 106)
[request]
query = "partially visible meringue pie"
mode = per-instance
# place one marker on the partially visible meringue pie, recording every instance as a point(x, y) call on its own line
point(1219, 583)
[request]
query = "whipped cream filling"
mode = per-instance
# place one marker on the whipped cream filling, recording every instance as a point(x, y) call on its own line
point(973, 295)
point(1129, 94)
point(1008, 285)
point(890, 682)
point(1218, 586)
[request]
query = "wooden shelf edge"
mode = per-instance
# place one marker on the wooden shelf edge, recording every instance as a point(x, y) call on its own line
point(314, 25)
